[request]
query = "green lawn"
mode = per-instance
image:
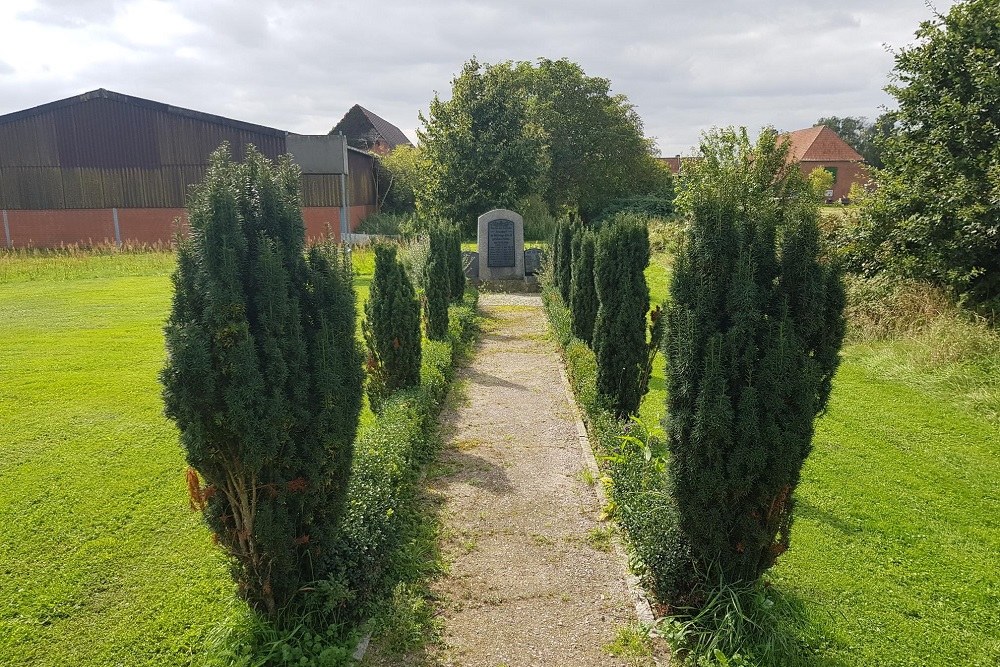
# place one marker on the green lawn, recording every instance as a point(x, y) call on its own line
point(101, 561)
point(896, 546)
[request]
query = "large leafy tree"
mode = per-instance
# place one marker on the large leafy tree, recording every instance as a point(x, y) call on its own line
point(754, 328)
point(263, 376)
point(513, 130)
point(480, 149)
point(596, 150)
point(936, 212)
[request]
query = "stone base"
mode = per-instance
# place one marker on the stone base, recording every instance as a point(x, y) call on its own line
point(529, 285)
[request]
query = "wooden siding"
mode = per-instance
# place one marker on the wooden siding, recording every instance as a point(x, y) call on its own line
point(106, 152)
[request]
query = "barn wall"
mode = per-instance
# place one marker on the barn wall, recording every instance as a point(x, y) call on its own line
point(65, 167)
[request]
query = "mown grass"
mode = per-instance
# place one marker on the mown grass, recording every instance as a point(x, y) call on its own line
point(101, 560)
point(897, 530)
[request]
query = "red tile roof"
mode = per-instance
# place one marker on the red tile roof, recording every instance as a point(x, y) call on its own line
point(819, 144)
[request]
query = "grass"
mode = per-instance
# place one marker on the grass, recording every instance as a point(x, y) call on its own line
point(101, 560)
point(897, 530)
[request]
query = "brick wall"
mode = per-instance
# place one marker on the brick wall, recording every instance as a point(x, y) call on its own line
point(54, 228)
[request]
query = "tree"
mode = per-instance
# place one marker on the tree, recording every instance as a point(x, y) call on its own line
point(754, 329)
point(263, 376)
point(619, 341)
point(564, 257)
point(820, 180)
point(391, 329)
point(864, 137)
point(595, 148)
point(481, 151)
point(401, 176)
point(935, 214)
point(583, 293)
point(457, 285)
point(437, 283)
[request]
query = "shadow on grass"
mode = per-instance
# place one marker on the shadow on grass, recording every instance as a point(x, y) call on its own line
point(806, 510)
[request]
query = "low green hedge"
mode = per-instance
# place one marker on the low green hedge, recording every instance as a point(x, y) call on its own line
point(382, 512)
point(636, 486)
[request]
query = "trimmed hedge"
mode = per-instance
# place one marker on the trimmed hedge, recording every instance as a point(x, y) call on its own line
point(636, 488)
point(382, 509)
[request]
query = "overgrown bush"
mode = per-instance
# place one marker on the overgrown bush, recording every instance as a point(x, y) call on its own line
point(754, 329)
point(619, 340)
point(651, 206)
point(583, 292)
point(539, 223)
point(391, 329)
point(263, 376)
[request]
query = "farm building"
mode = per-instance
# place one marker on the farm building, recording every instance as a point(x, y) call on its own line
point(104, 167)
point(369, 132)
point(820, 146)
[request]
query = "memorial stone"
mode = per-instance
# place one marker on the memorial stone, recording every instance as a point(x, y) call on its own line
point(500, 243)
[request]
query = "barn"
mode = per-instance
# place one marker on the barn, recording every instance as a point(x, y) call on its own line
point(819, 146)
point(103, 167)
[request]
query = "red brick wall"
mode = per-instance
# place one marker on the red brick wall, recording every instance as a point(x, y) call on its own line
point(848, 173)
point(54, 228)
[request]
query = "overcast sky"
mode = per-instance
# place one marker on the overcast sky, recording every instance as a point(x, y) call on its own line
point(299, 65)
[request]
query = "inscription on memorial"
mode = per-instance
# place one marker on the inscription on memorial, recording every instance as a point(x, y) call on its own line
point(500, 246)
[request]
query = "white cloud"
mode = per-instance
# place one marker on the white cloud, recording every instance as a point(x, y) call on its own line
point(300, 66)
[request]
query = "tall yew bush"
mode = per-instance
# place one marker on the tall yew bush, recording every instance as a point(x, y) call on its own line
point(438, 278)
point(263, 376)
point(754, 330)
point(457, 285)
point(564, 257)
point(391, 329)
point(583, 293)
point(619, 341)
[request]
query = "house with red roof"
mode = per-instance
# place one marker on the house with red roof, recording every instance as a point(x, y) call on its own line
point(820, 146)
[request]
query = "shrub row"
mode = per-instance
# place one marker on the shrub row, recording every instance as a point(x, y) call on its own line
point(381, 510)
point(635, 488)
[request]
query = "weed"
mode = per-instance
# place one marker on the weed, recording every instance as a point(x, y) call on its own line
point(632, 643)
point(600, 537)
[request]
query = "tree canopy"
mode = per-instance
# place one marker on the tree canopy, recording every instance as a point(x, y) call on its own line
point(936, 212)
point(513, 130)
point(481, 151)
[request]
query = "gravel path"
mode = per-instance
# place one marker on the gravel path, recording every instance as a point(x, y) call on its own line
point(533, 580)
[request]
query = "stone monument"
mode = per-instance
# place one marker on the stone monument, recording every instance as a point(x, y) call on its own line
point(500, 241)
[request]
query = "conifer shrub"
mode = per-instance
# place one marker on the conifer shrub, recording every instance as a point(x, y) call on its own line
point(438, 278)
point(457, 286)
point(391, 329)
point(619, 340)
point(583, 293)
point(564, 264)
point(754, 329)
point(263, 376)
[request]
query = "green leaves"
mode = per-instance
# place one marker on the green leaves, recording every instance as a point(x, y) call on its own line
point(754, 328)
point(935, 215)
point(263, 376)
